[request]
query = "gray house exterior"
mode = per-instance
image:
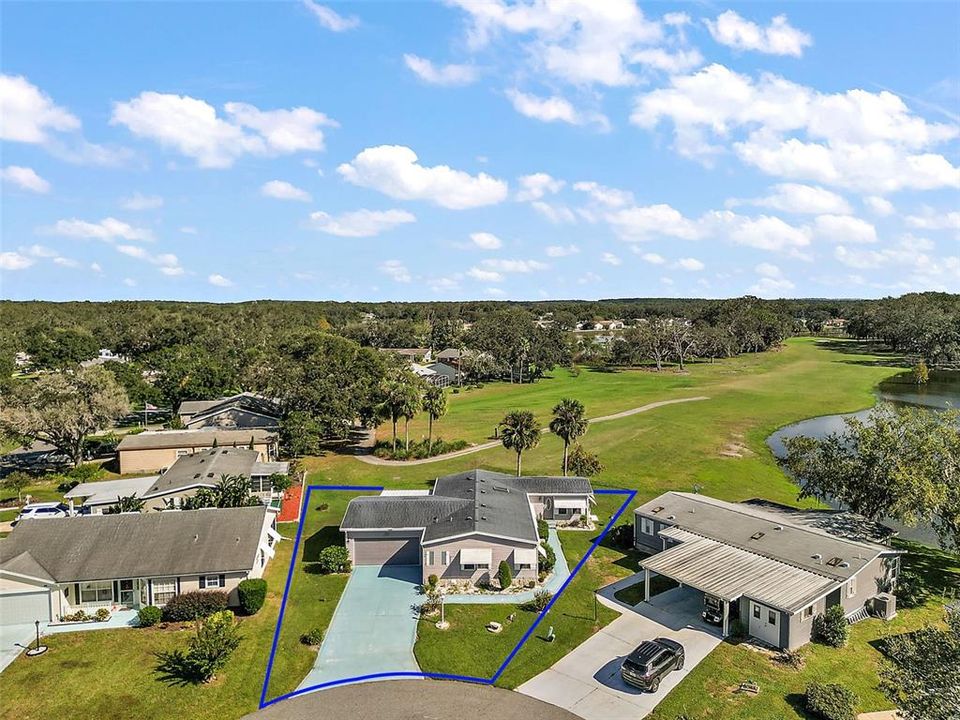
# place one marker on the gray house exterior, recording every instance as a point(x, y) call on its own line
point(466, 526)
point(773, 569)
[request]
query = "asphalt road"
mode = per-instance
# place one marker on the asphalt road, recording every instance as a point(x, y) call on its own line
point(412, 700)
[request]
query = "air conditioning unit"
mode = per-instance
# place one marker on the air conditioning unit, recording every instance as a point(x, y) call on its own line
point(884, 606)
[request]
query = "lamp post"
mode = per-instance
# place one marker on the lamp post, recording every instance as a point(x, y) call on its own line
point(39, 649)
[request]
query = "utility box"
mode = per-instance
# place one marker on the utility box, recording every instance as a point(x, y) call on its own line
point(885, 606)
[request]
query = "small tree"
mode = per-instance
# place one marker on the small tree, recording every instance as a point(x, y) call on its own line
point(831, 627)
point(520, 431)
point(584, 463)
point(252, 593)
point(280, 482)
point(504, 575)
point(435, 405)
point(215, 641)
point(334, 559)
point(148, 616)
point(128, 504)
point(921, 373)
point(17, 482)
point(543, 528)
point(548, 561)
point(831, 701)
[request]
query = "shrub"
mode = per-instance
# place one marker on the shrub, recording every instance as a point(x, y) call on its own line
point(313, 637)
point(66, 486)
point(831, 627)
point(432, 604)
point(78, 616)
point(432, 581)
point(911, 591)
point(334, 559)
point(504, 575)
point(216, 638)
point(541, 599)
point(194, 605)
point(149, 616)
point(548, 562)
point(85, 473)
point(252, 593)
point(790, 659)
point(622, 536)
point(102, 614)
point(543, 528)
point(831, 702)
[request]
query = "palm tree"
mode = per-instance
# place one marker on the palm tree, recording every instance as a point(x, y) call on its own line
point(395, 402)
point(521, 431)
point(411, 401)
point(569, 424)
point(435, 405)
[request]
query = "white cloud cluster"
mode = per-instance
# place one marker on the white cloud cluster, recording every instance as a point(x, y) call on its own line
point(282, 190)
point(607, 196)
point(486, 241)
point(555, 213)
point(798, 199)
point(11, 261)
point(451, 75)
point(845, 229)
point(557, 251)
point(24, 178)
point(914, 263)
point(866, 141)
point(331, 19)
point(930, 219)
point(494, 269)
point(193, 128)
point(360, 223)
point(219, 280)
point(772, 283)
point(167, 263)
point(610, 259)
point(394, 171)
point(108, 229)
point(554, 109)
point(29, 115)
point(778, 38)
point(138, 201)
point(537, 185)
point(643, 223)
point(396, 271)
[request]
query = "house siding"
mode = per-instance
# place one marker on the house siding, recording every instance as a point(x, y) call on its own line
point(644, 541)
point(543, 506)
point(451, 571)
point(153, 459)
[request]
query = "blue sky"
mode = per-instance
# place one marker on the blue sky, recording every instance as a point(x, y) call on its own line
point(464, 150)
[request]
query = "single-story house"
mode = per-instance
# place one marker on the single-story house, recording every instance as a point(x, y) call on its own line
point(151, 451)
point(95, 497)
point(450, 356)
point(466, 526)
point(237, 412)
point(772, 569)
point(438, 374)
point(410, 354)
point(52, 568)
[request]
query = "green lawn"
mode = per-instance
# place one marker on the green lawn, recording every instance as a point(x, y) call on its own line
point(717, 443)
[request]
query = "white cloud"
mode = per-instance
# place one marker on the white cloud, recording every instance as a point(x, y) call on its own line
point(95, 267)
point(138, 201)
point(689, 264)
point(40, 251)
point(188, 230)
point(764, 232)
point(394, 171)
point(557, 214)
point(360, 223)
point(396, 271)
point(65, 262)
point(484, 275)
point(930, 219)
point(282, 190)
point(219, 280)
point(866, 141)
point(653, 258)
point(768, 270)
point(330, 19)
point(486, 241)
point(168, 263)
point(451, 75)
point(778, 38)
point(556, 251)
point(589, 278)
point(643, 223)
point(669, 62)
point(769, 287)
point(554, 109)
point(513, 266)
point(845, 229)
point(495, 292)
point(610, 259)
point(25, 178)
point(535, 186)
point(129, 282)
point(608, 196)
point(878, 205)
point(800, 199)
point(29, 115)
point(107, 229)
point(912, 261)
point(14, 261)
point(193, 128)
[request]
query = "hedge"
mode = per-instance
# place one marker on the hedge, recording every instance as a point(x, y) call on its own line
point(831, 702)
point(252, 593)
point(195, 604)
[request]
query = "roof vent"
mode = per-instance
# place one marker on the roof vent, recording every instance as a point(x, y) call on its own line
point(757, 535)
point(196, 537)
point(671, 517)
point(501, 488)
point(779, 528)
point(844, 564)
point(196, 476)
point(469, 517)
point(834, 561)
point(657, 509)
point(483, 517)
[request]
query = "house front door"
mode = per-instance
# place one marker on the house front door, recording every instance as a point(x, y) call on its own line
point(765, 623)
point(128, 593)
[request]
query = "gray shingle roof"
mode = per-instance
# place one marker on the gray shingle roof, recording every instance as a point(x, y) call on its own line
point(244, 401)
point(108, 547)
point(477, 501)
point(155, 440)
point(205, 468)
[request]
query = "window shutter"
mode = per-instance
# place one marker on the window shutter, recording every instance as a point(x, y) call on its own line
point(223, 581)
point(178, 586)
point(202, 582)
point(116, 591)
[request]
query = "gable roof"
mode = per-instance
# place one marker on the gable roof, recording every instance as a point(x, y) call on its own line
point(26, 565)
point(107, 491)
point(473, 502)
point(131, 545)
point(205, 468)
point(251, 402)
point(202, 437)
point(755, 530)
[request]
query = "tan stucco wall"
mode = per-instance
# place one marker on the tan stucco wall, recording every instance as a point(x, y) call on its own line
point(135, 461)
point(501, 550)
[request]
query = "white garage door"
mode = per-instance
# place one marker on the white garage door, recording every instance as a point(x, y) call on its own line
point(25, 607)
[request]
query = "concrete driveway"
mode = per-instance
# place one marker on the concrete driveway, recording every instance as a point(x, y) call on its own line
point(587, 681)
point(373, 628)
point(10, 635)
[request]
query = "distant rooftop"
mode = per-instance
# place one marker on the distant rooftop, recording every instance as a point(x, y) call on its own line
point(202, 437)
point(205, 468)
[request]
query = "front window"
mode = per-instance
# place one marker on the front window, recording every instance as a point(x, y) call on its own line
point(756, 612)
point(96, 593)
point(212, 581)
point(771, 617)
point(646, 526)
point(260, 484)
point(444, 557)
point(561, 511)
point(163, 590)
point(808, 612)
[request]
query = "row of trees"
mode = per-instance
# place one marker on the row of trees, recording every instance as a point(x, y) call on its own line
point(403, 395)
point(521, 431)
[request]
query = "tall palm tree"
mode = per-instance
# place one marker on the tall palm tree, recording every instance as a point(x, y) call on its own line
point(569, 424)
point(435, 405)
point(520, 432)
point(411, 400)
point(390, 406)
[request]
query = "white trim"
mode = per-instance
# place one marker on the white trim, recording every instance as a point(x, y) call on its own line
point(479, 532)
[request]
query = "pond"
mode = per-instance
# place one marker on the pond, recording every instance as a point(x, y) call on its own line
point(940, 393)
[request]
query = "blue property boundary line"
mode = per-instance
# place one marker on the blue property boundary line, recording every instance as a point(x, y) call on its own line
point(631, 494)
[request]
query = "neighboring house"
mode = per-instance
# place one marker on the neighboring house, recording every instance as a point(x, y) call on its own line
point(463, 529)
point(104, 356)
point(237, 412)
point(772, 569)
point(450, 356)
point(154, 450)
point(52, 568)
point(439, 374)
point(414, 355)
point(95, 497)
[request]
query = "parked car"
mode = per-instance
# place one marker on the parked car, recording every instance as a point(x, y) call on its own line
point(42, 510)
point(712, 609)
point(647, 665)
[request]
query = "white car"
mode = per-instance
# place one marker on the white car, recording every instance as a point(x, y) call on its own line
point(42, 510)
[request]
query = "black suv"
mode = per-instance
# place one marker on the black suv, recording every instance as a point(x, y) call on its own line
point(647, 665)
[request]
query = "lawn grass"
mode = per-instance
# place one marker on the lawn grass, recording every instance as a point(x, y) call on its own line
point(634, 594)
point(717, 444)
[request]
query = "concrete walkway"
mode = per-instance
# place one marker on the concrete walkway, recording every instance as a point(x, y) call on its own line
point(373, 628)
point(561, 572)
point(11, 638)
point(587, 681)
point(373, 460)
